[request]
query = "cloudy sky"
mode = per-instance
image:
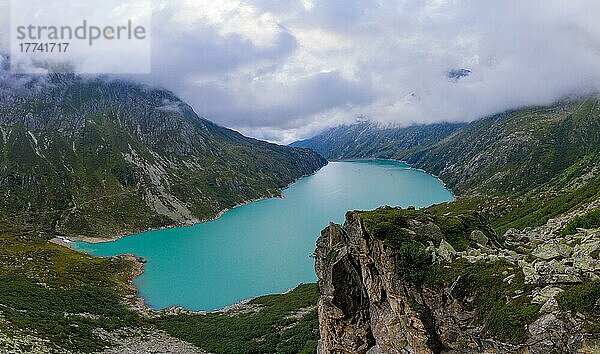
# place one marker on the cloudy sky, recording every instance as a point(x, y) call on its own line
point(286, 69)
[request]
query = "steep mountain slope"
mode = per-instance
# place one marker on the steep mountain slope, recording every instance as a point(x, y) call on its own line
point(522, 167)
point(516, 151)
point(101, 158)
point(367, 139)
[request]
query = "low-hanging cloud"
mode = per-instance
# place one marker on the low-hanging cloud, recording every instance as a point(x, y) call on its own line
point(285, 69)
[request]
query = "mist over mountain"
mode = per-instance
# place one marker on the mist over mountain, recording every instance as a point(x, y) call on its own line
point(288, 70)
point(366, 139)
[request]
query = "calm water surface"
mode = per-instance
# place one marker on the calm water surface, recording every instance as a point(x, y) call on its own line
point(264, 247)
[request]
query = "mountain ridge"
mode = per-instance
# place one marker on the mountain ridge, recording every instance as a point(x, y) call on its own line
point(368, 139)
point(90, 154)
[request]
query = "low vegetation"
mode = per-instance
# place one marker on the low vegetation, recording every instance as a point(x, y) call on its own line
point(589, 220)
point(282, 324)
point(64, 296)
point(530, 210)
point(583, 299)
point(503, 308)
point(455, 226)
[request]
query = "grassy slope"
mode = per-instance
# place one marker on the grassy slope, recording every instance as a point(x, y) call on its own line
point(522, 167)
point(516, 152)
point(272, 329)
point(53, 293)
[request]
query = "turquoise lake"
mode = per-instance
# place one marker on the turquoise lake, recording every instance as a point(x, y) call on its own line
point(264, 247)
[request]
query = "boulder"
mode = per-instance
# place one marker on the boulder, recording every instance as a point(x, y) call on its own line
point(552, 249)
point(479, 237)
point(446, 251)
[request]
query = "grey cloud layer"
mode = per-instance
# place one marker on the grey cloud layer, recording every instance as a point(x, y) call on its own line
point(284, 69)
point(333, 60)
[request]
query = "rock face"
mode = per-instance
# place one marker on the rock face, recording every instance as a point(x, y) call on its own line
point(370, 303)
point(364, 307)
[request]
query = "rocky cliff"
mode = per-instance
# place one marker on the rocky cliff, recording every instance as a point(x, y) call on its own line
point(406, 281)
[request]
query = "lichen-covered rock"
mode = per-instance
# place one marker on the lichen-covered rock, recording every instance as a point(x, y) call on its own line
point(446, 251)
point(552, 249)
point(543, 295)
point(479, 237)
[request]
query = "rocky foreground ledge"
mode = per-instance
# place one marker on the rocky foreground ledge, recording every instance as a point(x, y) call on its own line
point(406, 281)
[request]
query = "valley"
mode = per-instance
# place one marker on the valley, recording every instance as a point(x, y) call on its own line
point(104, 164)
point(300, 177)
point(264, 247)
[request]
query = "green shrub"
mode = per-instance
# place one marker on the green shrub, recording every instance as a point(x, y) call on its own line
point(589, 220)
point(509, 321)
point(582, 298)
point(412, 261)
point(270, 330)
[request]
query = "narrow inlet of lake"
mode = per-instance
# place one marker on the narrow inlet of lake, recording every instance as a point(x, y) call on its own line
point(264, 247)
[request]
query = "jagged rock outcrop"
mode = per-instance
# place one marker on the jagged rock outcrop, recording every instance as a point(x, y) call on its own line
point(398, 281)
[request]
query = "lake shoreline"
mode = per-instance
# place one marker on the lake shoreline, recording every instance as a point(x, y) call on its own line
point(95, 240)
point(350, 176)
point(404, 162)
point(64, 241)
point(139, 303)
